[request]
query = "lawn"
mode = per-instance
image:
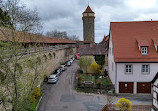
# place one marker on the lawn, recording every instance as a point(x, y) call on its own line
point(85, 77)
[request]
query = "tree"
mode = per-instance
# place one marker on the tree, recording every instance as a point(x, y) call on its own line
point(100, 59)
point(17, 83)
point(22, 19)
point(84, 63)
point(62, 35)
point(5, 20)
point(124, 104)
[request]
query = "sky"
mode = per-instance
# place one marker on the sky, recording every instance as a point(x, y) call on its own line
point(66, 15)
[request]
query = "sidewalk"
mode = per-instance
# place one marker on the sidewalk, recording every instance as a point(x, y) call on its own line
point(136, 99)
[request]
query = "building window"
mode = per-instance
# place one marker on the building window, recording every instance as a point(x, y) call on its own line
point(144, 50)
point(128, 69)
point(145, 68)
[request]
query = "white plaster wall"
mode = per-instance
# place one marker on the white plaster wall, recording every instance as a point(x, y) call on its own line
point(137, 75)
point(111, 61)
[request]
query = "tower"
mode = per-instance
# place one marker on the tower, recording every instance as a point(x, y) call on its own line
point(88, 24)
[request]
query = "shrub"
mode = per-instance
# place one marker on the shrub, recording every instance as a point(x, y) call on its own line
point(95, 67)
point(35, 94)
point(124, 104)
point(81, 71)
point(96, 76)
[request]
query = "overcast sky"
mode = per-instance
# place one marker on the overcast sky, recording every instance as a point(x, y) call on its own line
point(66, 15)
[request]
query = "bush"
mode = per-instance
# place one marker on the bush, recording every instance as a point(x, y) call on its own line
point(36, 94)
point(96, 76)
point(81, 71)
point(95, 68)
point(124, 104)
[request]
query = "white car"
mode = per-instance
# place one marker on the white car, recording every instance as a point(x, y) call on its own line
point(71, 61)
point(73, 58)
point(68, 63)
point(53, 78)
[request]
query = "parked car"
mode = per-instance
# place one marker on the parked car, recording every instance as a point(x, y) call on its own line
point(73, 58)
point(63, 67)
point(57, 72)
point(68, 63)
point(71, 61)
point(77, 56)
point(53, 78)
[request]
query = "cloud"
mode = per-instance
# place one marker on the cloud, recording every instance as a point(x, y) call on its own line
point(66, 15)
point(141, 4)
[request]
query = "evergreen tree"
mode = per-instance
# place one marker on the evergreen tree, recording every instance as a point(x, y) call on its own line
point(5, 20)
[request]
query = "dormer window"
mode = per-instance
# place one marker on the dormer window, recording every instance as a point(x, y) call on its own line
point(143, 46)
point(144, 50)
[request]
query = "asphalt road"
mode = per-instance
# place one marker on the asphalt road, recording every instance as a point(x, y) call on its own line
point(62, 97)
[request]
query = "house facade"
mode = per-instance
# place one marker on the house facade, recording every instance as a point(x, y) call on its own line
point(133, 56)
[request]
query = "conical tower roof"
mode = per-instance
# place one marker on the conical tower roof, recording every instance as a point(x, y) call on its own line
point(88, 10)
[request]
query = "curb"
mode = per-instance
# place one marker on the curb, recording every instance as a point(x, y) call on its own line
point(39, 102)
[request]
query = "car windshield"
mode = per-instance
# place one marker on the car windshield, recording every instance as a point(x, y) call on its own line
point(52, 77)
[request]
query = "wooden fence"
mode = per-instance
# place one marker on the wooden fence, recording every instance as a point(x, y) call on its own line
point(134, 108)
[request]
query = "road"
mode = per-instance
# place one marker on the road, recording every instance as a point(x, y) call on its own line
point(62, 97)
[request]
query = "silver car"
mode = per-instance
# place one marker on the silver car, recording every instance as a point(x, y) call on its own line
point(63, 67)
point(53, 78)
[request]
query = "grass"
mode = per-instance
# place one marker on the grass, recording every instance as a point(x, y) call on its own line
point(34, 105)
point(104, 81)
point(86, 77)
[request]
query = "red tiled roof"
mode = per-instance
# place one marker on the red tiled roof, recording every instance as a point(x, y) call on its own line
point(88, 10)
point(85, 42)
point(92, 49)
point(125, 36)
point(143, 42)
point(155, 40)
